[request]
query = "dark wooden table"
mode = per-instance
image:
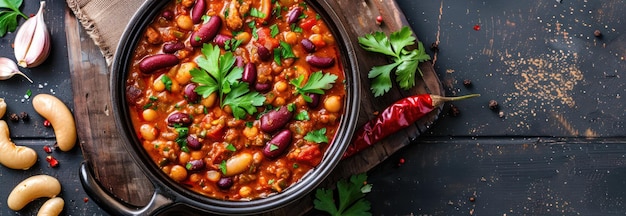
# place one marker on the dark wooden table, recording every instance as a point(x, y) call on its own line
point(557, 149)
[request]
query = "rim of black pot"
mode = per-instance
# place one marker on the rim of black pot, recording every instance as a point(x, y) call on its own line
point(181, 194)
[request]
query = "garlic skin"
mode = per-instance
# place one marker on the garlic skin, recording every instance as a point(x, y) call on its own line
point(8, 69)
point(32, 41)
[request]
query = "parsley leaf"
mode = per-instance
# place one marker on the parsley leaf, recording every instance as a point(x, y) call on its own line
point(222, 167)
point(302, 116)
point(231, 147)
point(405, 62)
point(167, 82)
point(351, 197)
point(274, 30)
point(317, 136)
point(283, 51)
point(316, 84)
point(217, 75)
point(8, 19)
point(273, 147)
point(257, 13)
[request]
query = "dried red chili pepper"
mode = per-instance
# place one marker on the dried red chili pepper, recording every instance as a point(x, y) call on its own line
point(399, 115)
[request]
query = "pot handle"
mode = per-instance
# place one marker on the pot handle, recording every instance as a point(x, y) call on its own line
point(113, 205)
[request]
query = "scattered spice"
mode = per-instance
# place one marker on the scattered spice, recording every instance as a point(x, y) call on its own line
point(52, 161)
point(14, 117)
point(493, 104)
point(472, 199)
point(476, 27)
point(401, 162)
point(48, 149)
point(454, 110)
point(47, 123)
point(24, 116)
point(597, 33)
point(501, 114)
point(467, 83)
point(379, 20)
point(86, 199)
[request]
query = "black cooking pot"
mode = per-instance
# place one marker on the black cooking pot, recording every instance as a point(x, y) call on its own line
point(172, 197)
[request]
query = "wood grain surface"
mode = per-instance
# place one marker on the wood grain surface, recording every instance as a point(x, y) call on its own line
point(115, 170)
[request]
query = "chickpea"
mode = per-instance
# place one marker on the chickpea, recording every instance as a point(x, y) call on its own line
point(245, 191)
point(318, 40)
point(279, 101)
point(183, 75)
point(280, 86)
point(166, 169)
point(290, 37)
point(148, 132)
point(158, 85)
point(187, 3)
point(210, 100)
point(149, 114)
point(197, 155)
point(195, 177)
point(213, 175)
point(333, 103)
point(184, 22)
point(184, 157)
point(178, 173)
point(175, 88)
point(250, 132)
point(244, 37)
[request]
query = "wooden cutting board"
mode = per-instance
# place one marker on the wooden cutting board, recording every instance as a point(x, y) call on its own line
point(115, 170)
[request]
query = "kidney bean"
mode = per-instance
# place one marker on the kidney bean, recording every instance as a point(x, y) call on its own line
point(198, 11)
point(264, 53)
point(262, 87)
point(278, 144)
point(239, 61)
point(168, 15)
point(153, 63)
point(315, 100)
point(320, 62)
point(206, 32)
point(308, 45)
point(179, 118)
point(225, 183)
point(190, 94)
point(195, 165)
point(249, 74)
point(220, 39)
point(275, 119)
point(193, 142)
point(172, 47)
point(294, 15)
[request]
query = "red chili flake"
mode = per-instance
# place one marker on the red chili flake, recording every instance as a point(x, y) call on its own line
point(86, 199)
point(47, 149)
point(476, 27)
point(52, 161)
point(47, 123)
point(379, 20)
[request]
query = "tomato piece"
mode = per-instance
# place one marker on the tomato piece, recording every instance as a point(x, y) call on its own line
point(310, 154)
point(266, 39)
point(307, 24)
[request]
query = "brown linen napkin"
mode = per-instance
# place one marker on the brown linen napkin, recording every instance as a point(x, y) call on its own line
point(104, 20)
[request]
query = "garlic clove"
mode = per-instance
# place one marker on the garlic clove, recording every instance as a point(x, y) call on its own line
point(8, 69)
point(32, 41)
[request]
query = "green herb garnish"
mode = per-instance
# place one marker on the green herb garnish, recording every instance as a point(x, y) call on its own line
point(316, 84)
point(274, 30)
point(317, 136)
point(217, 74)
point(167, 82)
point(257, 13)
point(405, 62)
point(231, 147)
point(8, 18)
point(351, 197)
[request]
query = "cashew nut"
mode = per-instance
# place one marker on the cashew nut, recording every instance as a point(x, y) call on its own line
point(32, 188)
point(52, 207)
point(53, 109)
point(14, 157)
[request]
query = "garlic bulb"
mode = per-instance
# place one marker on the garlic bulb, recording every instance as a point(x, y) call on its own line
point(8, 68)
point(32, 41)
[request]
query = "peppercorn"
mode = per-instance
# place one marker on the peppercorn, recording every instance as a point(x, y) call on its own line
point(379, 20)
point(467, 83)
point(597, 33)
point(454, 110)
point(24, 116)
point(493, 105)
point(14, 117)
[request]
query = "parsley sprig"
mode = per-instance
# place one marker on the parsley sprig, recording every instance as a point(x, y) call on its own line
point(405, 62)
point(316, 84)
point(217, 74)
point(8, 18)
point(351, 197)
